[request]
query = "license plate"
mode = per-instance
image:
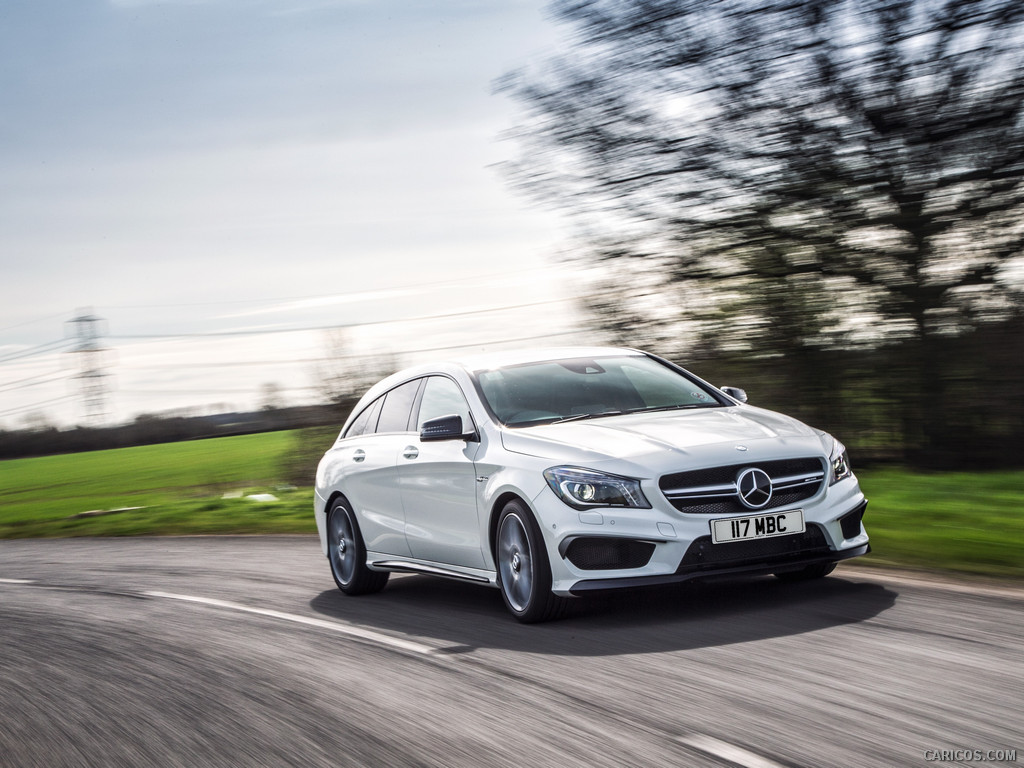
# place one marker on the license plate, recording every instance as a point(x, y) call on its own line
point(757, 526)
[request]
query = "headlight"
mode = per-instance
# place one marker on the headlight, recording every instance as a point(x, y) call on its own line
point(840, 463)
point(585, 488)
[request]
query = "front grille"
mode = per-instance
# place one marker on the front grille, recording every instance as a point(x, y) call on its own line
point(712, 491)
point(703, 553)
point(595, 553)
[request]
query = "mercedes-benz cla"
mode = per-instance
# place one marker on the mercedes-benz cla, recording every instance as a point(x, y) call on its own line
point(557, 473)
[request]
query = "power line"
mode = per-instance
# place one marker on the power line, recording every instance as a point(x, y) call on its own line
point(41, 349)
point(350, 356)
point(37, 404)
point(249, 391)
point(338, 326)
point(245, 363)
point(353, 355)
point(271, 300)
point(32, 381)
point(32, 321)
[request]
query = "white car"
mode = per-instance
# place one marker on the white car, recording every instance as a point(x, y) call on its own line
point(560, 472)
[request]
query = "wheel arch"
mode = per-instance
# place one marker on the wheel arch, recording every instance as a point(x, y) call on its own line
point(335, 495)
point(496, 507)
point(328, 503)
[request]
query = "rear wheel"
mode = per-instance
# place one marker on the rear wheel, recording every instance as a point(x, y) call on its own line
point(524, 573)
point(816, 571)
point(347, 553)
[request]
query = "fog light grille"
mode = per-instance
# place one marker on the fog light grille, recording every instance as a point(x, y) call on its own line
point(595, 553)
point(851, 523)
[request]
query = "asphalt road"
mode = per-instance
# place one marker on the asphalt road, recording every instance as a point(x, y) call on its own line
point(239, 651)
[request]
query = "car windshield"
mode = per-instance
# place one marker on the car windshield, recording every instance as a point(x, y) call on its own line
point(581, 388)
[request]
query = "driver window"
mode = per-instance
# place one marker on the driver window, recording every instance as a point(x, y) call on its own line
point(442, 397)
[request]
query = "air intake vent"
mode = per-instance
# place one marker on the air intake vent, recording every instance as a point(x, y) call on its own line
point(850, 523)
point(595, 553)
point(702, 554)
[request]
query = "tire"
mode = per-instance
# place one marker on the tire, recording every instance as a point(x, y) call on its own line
point(347, 553)
point(816, 571)
point(524, 573)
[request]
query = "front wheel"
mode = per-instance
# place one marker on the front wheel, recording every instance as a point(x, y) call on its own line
point(347, 553)
point(524, 573)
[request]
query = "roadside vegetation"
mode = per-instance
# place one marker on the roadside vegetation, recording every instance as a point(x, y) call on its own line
point(194, 487)
point(965, 521)
point(959, 522)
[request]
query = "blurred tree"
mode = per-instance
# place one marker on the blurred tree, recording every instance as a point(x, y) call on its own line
point(37, 421)
point(343, 376)
point(271, 396)
point(802, 175)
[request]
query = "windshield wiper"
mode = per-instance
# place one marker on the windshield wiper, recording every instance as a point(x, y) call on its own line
point(581, 416)
point(672, 407)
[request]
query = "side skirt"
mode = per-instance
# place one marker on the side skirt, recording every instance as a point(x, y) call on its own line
point(432, 569)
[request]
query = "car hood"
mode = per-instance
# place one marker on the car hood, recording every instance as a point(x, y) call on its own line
point(671, 440)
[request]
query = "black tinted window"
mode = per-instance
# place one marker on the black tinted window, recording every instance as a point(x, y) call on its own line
point(394, 416)
point(365, 422)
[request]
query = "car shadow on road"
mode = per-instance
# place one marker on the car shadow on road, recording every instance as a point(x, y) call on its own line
point(679, 617)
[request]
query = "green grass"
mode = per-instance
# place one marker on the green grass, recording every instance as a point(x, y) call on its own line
point(966, 523)
point(180, 487)
point(963, 522)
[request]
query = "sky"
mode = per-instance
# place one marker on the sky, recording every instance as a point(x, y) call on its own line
point(187, 168)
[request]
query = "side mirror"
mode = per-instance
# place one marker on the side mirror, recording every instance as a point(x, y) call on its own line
point(735, 393)
point(443, 428)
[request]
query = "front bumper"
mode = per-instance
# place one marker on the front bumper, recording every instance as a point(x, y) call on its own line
point(688, 572)
point(663, 546)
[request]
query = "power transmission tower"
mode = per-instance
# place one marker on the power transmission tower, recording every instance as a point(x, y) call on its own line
point(87, 330)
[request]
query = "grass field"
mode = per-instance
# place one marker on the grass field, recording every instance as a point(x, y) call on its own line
point(182, 488)
point(968, 523)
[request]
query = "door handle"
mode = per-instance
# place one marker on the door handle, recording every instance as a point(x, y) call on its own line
point(358, 455)
point(411, 452)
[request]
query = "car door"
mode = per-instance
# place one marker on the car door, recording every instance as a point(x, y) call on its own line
point(370, 462)
point(439, 484)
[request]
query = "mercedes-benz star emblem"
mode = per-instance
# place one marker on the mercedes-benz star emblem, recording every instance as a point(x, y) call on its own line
point(754, 487)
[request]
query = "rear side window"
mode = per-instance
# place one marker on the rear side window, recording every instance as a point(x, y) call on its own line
point(394, 415)
point(366, 422)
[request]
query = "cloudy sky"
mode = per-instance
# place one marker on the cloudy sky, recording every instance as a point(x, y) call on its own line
point(194, 167)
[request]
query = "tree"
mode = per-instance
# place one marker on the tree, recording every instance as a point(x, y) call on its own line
point(271, 396)
point(820, 174)
point(343, 376)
